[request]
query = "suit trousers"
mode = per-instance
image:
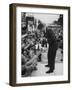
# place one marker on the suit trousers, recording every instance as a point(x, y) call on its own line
point(51, 55)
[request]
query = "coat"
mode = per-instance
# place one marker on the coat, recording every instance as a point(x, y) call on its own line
point(50, 35)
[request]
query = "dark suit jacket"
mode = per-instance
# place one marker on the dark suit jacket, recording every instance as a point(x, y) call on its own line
point(50, 35)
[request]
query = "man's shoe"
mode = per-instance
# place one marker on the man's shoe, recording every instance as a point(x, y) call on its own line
point(46, 65)
point(61, 60)
point(50, 71)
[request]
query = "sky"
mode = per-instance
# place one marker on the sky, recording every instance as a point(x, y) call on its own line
point(46, 18)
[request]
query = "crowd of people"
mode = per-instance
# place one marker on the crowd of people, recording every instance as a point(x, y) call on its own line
point(32, 45)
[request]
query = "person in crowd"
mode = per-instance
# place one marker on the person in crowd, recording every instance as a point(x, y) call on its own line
point(38, 39)
point(51, 39)
point(60, 41)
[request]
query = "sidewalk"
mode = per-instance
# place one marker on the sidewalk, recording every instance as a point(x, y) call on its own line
point(41, 69)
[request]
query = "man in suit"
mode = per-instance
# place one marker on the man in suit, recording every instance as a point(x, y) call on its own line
point(51, 39)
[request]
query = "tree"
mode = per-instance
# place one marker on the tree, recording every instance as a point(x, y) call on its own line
point(60, 20)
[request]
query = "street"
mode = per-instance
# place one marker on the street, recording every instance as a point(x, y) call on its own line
point(41, 69)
